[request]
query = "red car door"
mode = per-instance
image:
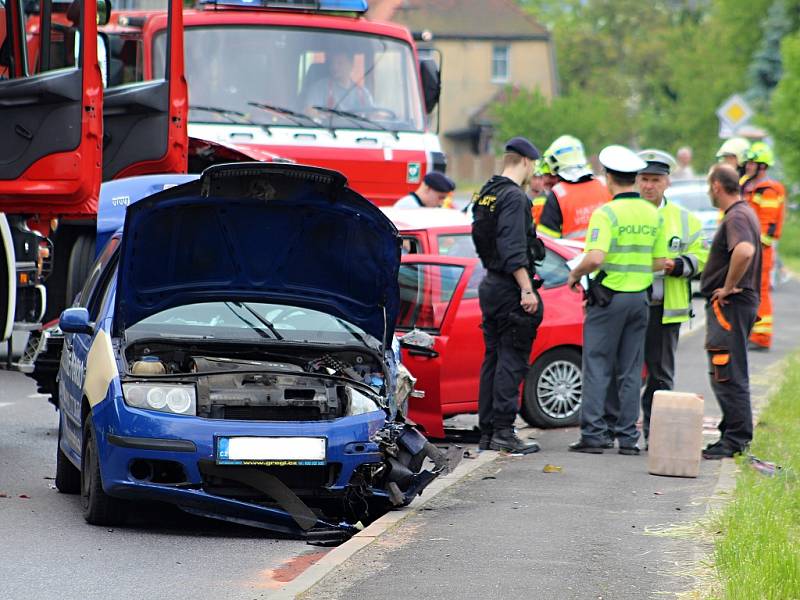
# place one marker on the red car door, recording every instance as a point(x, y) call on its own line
point(431, 289)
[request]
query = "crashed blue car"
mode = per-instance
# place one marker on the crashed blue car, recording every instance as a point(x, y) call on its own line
point(229, 354)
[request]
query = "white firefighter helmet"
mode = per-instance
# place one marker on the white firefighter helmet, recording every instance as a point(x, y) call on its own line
point(567, 158)
point(735, 146)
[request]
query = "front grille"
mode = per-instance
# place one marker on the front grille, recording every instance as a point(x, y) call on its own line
point(302, 480)
point(271, 413)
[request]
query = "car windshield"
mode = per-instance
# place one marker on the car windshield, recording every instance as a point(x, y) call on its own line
point(249, 321)
point(298, 77)
point(694, 199)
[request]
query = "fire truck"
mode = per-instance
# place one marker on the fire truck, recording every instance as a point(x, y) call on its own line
point(312, 81)
point(62, 135)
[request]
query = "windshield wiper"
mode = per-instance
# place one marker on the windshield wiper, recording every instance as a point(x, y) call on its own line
point(260, 319)
point(225, 112)
point(356, 118)
point(260, 332)
point(352, 331)
point(292, 115)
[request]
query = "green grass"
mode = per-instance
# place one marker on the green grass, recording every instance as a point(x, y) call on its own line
point(789, 246)
point(757, 555)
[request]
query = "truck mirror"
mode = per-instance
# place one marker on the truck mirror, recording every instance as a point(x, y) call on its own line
point(431, 83)
point(103, 12)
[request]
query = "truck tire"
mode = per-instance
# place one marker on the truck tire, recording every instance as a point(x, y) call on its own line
point(98, 507)
point(552, 392)
point(80, 261)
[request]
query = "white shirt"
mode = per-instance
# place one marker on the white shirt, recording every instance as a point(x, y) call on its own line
point(409, 201)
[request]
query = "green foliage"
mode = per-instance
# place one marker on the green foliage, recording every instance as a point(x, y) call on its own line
point(766, 69)
point(597, 121)
point(659, 70)
point(784, 121)
point(758, 553)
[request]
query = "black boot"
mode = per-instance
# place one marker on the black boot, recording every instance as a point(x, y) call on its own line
point(486, 438)
point(506, 440)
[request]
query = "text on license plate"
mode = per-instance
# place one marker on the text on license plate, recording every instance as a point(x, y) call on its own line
point(304, 451)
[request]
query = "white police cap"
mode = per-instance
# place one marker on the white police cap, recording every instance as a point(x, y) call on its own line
point(658, 162)
point(621, 160)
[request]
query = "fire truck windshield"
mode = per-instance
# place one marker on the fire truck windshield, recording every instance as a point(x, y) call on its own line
point(282, 77)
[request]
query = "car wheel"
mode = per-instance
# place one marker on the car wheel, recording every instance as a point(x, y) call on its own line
point(98, 507)
point(552, 394)
point(68, 477)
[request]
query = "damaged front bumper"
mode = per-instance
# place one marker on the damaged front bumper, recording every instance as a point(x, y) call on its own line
point(370, 467)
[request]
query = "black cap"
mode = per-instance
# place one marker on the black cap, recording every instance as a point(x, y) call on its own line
point(655, 167)
point(439, 182)
point(523, 147)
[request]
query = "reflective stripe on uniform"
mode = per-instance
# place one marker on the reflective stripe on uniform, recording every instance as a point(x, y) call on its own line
point(634, 248)
point(678, 312)
point(610, 214)
point(576, 235)
point(610, 267)
point(547, 231)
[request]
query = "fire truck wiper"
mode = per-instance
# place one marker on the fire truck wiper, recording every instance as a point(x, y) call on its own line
point(357, 118)
point(294, 116)
point(225, 112)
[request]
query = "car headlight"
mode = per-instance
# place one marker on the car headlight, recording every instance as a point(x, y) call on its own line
point(164, 397)
point(361, 403)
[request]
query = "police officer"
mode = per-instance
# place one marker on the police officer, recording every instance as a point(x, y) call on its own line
point(626, 244)
point(506, 242)
point(431, 193)
point(670, 295)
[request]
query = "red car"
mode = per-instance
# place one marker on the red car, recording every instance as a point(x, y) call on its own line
point(439, 279)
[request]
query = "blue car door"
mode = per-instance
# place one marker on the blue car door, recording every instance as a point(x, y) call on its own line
point(76, 346)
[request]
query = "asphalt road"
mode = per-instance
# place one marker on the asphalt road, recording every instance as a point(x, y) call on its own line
point(512, 531)
point(508, 531)
point(49, 552)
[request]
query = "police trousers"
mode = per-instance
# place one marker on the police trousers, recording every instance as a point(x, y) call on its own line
point(661, 342)
point(727, 330)
point(508, 334)
point(613, 351)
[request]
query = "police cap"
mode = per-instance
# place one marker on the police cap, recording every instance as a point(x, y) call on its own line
point(439, 182)
point(658, 162)
point(523, 147)
point(619, 159)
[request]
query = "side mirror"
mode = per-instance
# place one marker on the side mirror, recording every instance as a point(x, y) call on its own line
point(76, 320)
point(103, 12)
point(419, 343)
point(431, 83)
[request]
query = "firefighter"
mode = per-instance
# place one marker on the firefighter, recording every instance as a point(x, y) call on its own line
point(539, 188)
point(511, 309)
point(671, 294)
point(432, 192)
point(625, 245)
point(766, 197)
point(733, 152)
point(577, 193)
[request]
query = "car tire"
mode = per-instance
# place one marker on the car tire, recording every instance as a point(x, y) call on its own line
point(68, 477)
point(80, 262)
point(552, 392)
point(98, 507)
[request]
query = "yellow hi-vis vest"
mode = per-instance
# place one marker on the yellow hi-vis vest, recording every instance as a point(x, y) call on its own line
point(684, 236)
point(628, 230)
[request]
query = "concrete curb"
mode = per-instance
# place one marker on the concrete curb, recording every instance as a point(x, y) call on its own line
point(362, 539)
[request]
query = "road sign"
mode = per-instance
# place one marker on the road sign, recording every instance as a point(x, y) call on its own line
point(734, 113)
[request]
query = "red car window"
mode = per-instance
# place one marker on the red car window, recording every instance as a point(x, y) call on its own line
point(425, 294)
point(456, 244)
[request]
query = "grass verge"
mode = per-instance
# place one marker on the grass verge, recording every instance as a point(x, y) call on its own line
point(757, 554)
point(789, 246)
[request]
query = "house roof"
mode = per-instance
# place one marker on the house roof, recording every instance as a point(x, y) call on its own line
point(464, 19)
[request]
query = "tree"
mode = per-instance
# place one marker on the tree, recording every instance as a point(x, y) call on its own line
point(765, 69)
point(784, 121)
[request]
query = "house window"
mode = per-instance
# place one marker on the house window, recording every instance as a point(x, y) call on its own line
point(500, 63)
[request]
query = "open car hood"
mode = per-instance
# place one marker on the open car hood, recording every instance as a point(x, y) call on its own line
point(277, 233)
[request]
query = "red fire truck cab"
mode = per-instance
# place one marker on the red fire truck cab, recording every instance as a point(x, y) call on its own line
point(310, 81)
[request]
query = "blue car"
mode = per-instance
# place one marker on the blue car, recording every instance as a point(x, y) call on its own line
point(230, 354)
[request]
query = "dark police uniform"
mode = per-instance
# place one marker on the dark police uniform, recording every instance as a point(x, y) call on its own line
point(506, 241)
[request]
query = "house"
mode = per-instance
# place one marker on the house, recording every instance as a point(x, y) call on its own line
point(486, 46)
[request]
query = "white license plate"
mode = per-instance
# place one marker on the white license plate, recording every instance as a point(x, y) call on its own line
point(271, 451)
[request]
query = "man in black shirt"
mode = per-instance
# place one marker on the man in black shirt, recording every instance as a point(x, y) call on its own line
point(506, 241)
point(731, 284)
